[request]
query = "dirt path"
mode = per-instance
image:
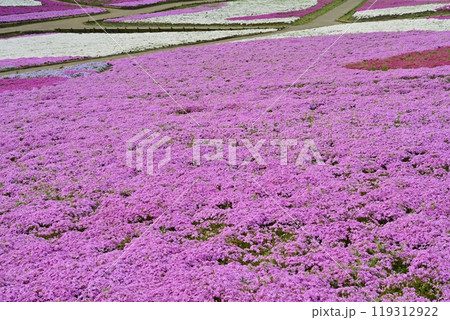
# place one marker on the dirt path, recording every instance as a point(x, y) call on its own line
point(327, 19)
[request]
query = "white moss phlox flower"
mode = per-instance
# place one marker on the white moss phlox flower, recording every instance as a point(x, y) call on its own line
point(399, 11)
point(20, 3)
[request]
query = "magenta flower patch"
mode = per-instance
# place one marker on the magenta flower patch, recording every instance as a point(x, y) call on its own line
point(27, 84)
point(49, 10)
point(78, 224)
point(413, 60)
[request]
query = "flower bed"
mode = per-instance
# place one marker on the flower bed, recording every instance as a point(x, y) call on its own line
point(66, 72)
point(11, 64)
point(298, 13)
point(383, 4)
point(70, 207)
point(423, 59)
point(26, 84)
point(48, 10)
point(20, 3)
point(285, 11)
point(122, 3)
point(136, 18)
point(48, 15)
point(367, 27)
point(132, 3)
point(380, 8)
point(38, 79)
point(46, 5)
point(101, 44)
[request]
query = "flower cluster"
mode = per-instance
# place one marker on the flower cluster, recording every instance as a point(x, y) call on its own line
point(285, 11)
point(77, 224)
point(27, 84)
point(48, 9)
point(20, 3)
point(298, 13)
point(373, 8)
point(121, 3)
point(101, 44)
point(38, 79)
point(139, 17)
point(66, 72)
point(423, 59)
point(383, 4)
point(367, 27)
point(132, 3)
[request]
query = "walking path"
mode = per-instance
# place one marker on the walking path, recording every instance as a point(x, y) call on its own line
point(327, 19)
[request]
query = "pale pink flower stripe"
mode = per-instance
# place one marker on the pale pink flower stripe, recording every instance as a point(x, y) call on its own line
point(169, 13)
point(382, 4)
point(296, 13)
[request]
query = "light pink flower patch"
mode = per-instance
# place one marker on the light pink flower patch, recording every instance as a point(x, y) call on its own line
point(138, 17)
point(132, 3)
point(383, 4)
point(299, 13)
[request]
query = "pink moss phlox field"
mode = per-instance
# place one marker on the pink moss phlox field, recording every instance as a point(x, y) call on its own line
point(11, 64)
point(206, 7)
point(298, 13)
point(379, 206)
point(49, 10)
point(383, 4)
